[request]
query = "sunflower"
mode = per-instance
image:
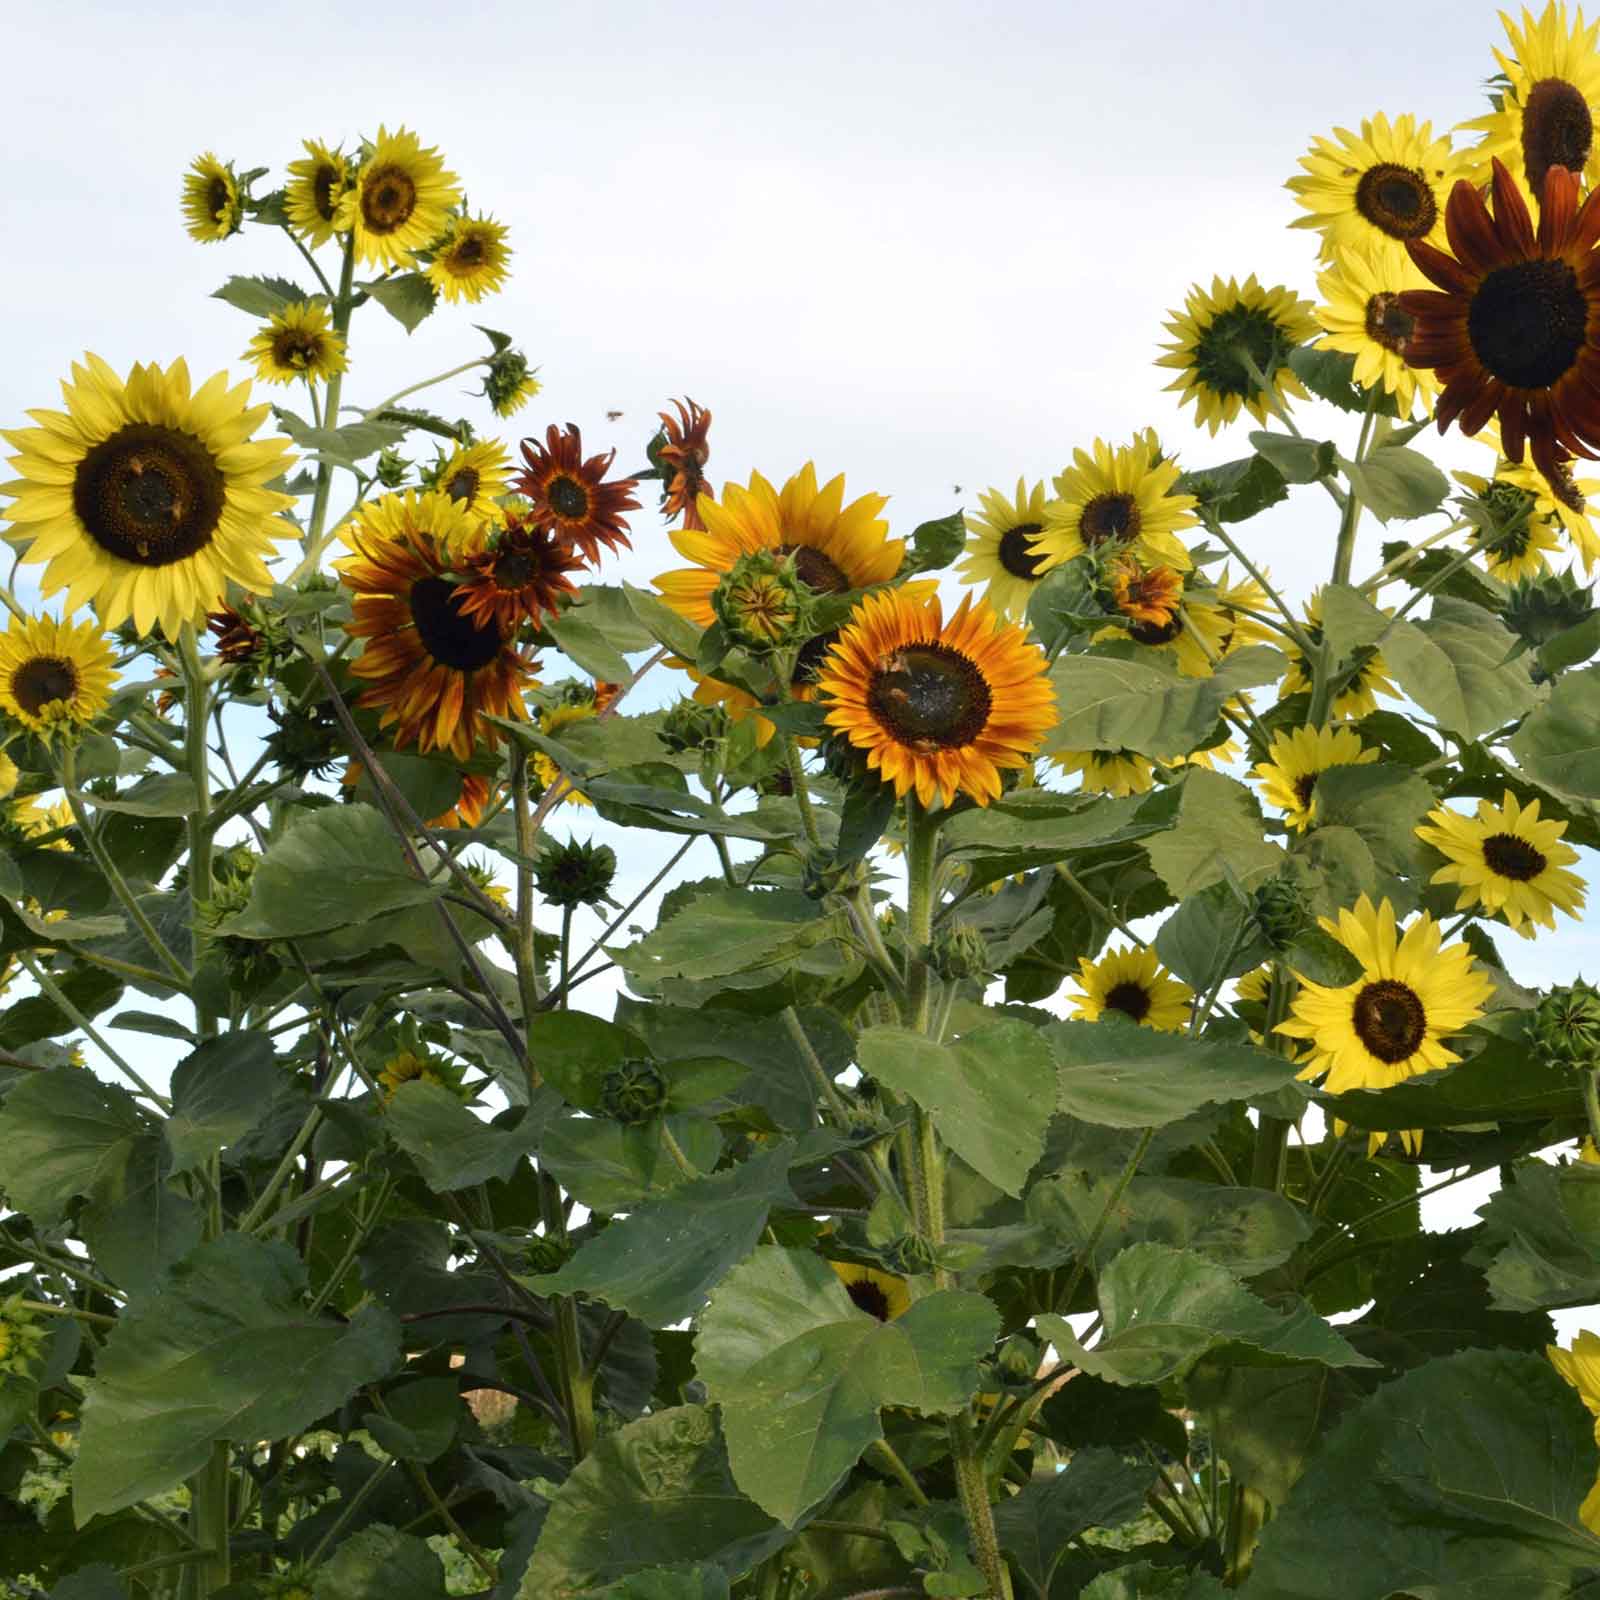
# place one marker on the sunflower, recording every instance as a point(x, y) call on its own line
point(999, 551)
point(399, 202)
point(515, 574)
point(1559, 501)
point(1114, 772)
point(1507, 861)
point(418, 1065)
point(1133, 982)
point(54, 676)
point(475, 477)
point(1580, 1366)
point(1362, 318)
point(680, 452)
point(298, 342)
point(9, 776)
point(569, 494)
point(1516, 328)
point(317, 184)
point(471, 803)
point(939, 708)
point(472, 259)
point(1214, 333)
point(508, 383)
point(212, 208)
point(146, 499)
point(1521, 541)
point(1148, 597)
point(1193, 630)
point(1391, 1022)
point(879, 1294)
point(1298, 758)
point(1544, 115)
point(1358, 697)
point(1119, 500)
point(437, 673)
point(1378, 189)
point(544, 768)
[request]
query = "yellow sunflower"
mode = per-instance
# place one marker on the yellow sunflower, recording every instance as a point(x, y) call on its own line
point(54, 676)
point(1133, 982)
point(1193, 630)
point(475, 477)
point(998, 553)
point(879, 1294)
point(1377, 189)
point(1390, 1024)
point(1358, 698)
point(316, 185)
point(1119, 499)
point(1362, 318)
point(400, 200)
point(939, 707)
point(550, 725)
point(298, 342)
point(472, 260)
point(212, 208)
point(1214, 332)
point(1580, 1366)
point(1298, 758)
point(1522, 541)
point(1544, 115)
point(1114, 772)
point(436, 672)
point(1507, 861)
point(8, 776)
point(835, 546)
point(1559, 500)
point(145, 499)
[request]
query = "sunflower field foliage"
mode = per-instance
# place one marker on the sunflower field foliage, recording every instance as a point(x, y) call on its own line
point(884, 1062)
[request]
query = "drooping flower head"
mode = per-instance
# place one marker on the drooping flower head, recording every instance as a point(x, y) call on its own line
point(1132, 982)
point(681, 451)
point(1113, 772)
point(317, 183)
point(297, 342)
point(472, 260)
point(400, 200)
point(570, 495)
point(1118, 500)
point(1298, 758)
point(55, 676)
point(1357, 695)
point(1000, 553)
point(212, 208)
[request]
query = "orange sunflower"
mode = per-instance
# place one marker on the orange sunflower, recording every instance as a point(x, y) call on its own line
point(938, 707)
point(434, 670)
point(682, 456)
point(569, 495)
point(519, 573)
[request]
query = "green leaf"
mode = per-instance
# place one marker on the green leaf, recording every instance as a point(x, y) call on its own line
point(1395, 482)
point(1236, 490)
point(605, 607)
point(990, 1093)
point(1571, 646)
point(37, 1016)
point(454, 1149)
point(408, 298)
point(654, 1493)
point(421, 1419)
point(574, 1051)
point(1466, 1473)
point(1144, 1580)
point(727, 931)
point(1297, 460)
point(663, 624)
point(672, 1583)
point(610, 1168)
point(1065, 604)
point(1330, 375)
point(1541, 1237)
point(1558, 745)
point(581, 641)
point(1044, 828)
point(1384, 804)
point(219, 1094)
point(260, 297)
point(1217, 838)
point(64, 1134)
point(334, 866)
point(380, 1563)
point(135, 1224)
point(97, 1581)
point(935, 544)
point(1164, 1309)
point(165, 795)
point(800, 1373)
point(1211, 936)
point(222, 1351)
point(340, 447)
point(1455, 667)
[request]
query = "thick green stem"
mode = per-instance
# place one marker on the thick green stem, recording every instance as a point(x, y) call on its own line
point(802, 794)
point(1591, 1104)
point(330, 411)
point(1269, 1160)
point(974, 1491)
point(527, 957)
point(209, 1523)
point(196, 710)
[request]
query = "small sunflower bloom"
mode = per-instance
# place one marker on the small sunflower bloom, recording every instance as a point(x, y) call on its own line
point(55, 677)
point(879, 1294)
point(1114, 772)
point(475, 476)
point(1133, 982)
point(1149, 597)
point(517, 572)
point(570, 496)
point(1297, 759)
point(399, 201)
point(317, 183)
point(212, 207)
point(508, 383)
point(1361, 317)
point(418, 1066)
point(1117, 500)
point(472, 260)
point(1580, 1366)
point(298, 342)
point(1358, 697)
point(680, 450)
point(1000, 553)
point(551, 724)
point(1516, 542)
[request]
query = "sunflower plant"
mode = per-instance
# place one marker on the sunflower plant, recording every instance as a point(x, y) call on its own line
point(885, 1060)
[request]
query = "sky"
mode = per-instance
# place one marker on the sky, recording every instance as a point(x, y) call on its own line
point(925, 245)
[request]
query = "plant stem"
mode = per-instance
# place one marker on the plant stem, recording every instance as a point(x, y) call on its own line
point(330, 414)
point(426, 383)
point(973, 1488)
point(1292, 623)
point(1098, 907)
point(209, 1523)
point(1591, 1105)
point(825, 1085)
point(802, 794)
point(883, 1453)
point(526, 952)
point(1408, 554)
point(199, 764)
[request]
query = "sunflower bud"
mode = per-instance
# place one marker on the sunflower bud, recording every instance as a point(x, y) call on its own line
point(392, 467)
point(1280, 912)
point(21, 1335)
point(912, 1255)
point(762, 602)
point(960, 952)
point(508, 383)
point(821, 875)
point(544, 1253)
point(689, 725)
point(1537, 609)
point(308, 742)
point(846, 763)
point(1018, 1359)
point(1566, 1027)
point(574, 874)
point(633, 1093)
point(250, 963)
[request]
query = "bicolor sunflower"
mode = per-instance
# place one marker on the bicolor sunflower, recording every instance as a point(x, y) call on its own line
point(1298, 758)
point(1580, 1366)
point(1171, 625)
point(297, 342)
point(515, 572)
point(570, 495)
point(212, 208)
point(1359, 695)
point(317, 183)
point(472, 800)
point(680, 451)
point(1515, 540)
point(54, 676)
point(400, 200)
point(435, 673)
point(1391, 1023)
point(1513, 329)
point(1135, 983)
point(1508, 861)
point(471, 260)
point(1119, 499)
point(1113, 772)
point(879, 1294)
point(146, 499)
point(475, 477)
point(1231, 347)
point(939, 708)
point(1377, 189)
point(1362, 318)
point(1000, 553)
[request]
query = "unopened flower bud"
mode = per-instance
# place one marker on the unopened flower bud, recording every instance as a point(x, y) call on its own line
point(1280, 912)
point(960, 952)
point(575, 874)
point(634, 1092)
point(762, 603)
point(1566, 1027)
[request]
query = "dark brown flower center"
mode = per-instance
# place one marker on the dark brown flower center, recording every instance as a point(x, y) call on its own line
point(1304, 787)
point(1397, 200)
point(217, 198)
point(453, 640)
point(149, 494)
point(1387, 324)
point(322, 191)
point(467, 253)
point(868, 1296)
point(463, 485)
point(1557, 130)
point(568, 498)
point(1109, 516)
point(388, 197)
point(1507, 856)
point(42, 679)
point(929, 697)
point(516, 568)
point(297, 348)
point(1389, 1020)
point(1013, 553)
point(1130, 998)
point(819, 573)
point(1157, 632)
point(1527, 322)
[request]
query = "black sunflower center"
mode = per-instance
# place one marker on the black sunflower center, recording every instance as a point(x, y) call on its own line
point(468, 253)
point(1130, 998)
point(217, 198)
point(1387, 324)
point(1013, 553)
point(453, 640)
point(1109, 516)
point(388, 197)
point(463, 485)
point(1240, 331)
point(149, 494)
point(296, 348)
point(819, 573)
point(1507, 856)
point(41, 679)
point(930, 697)
point(1527, 321)
point(568, 498)
point(1157, 632)
point(1388, 1019)
point(517, 568)
point(322, 191)
point(1304, 786)
point(1557, 130)
point(1397, 200)
point(869, 1297)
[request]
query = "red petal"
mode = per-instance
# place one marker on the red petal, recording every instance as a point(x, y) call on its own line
point(1513, 425)
point(1556, 212)
point(1512, 224)
point(1444, 270)
point(1483, 405)
point(1471, 230)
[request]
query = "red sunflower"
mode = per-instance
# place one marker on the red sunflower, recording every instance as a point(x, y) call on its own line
point(569, 495)
point(683, 453)
point(520, 573)
point(1514, 327)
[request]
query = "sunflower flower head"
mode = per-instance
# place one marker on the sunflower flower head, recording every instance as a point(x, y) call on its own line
point(1566, 1030)
point(1515, 541)
point(1558, 504)
point(55, 678)
point(879, 1294)
point(1361, 316)
point(1133, 983)
point(508, 382)
point(574, 874)
point(471, 260)
point(545, 770)
point(679, 452)
point(762, 602)
point(1297, 759)
point(399, 201)
point(569, 494)
point(212, 206)
point(317, 183)
point(1114, 772)
point(1000, 553)
point(298, 342)
point(1148, 597)
point(516, 573)
point(22, 1337)
point(417, 1064)
point(474, 475)
point(1365, 675)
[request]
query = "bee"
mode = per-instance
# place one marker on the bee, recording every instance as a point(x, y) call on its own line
point(955, 488)
point(613, 416)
